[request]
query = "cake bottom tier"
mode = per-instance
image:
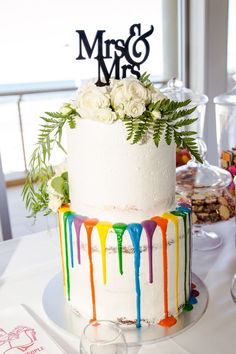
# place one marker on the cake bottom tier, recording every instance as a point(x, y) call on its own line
point(131, 274)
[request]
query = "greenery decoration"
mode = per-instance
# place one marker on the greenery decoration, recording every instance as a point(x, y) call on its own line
point(40, 171)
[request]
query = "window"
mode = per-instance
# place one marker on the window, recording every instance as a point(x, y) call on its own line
point(39, 46)
point(231, 62)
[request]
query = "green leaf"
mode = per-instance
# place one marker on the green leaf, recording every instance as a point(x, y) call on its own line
point(181, 113)
point(158, 129)
point(168, 134)
point(186, 133)
point(58, 184)
point(129, 124)
point(144, 122)
point(184, 122)
point(145, 79)
point(177, 138)
point(64, 175)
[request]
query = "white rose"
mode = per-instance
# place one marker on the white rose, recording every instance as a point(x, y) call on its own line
point(155, 94)
point(156, 114)
point(87, 113)
point(118, 96)
point(134, 89)
point(135, 108)
point(55, 203)
point(91, 98)
point(106, 115)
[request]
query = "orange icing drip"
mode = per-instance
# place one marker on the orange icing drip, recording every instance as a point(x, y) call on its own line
point(89, 225)
point(61, 211)
point(167, 321)
point(103, 228)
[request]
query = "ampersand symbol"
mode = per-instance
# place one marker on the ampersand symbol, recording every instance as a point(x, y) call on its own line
point(133, 54)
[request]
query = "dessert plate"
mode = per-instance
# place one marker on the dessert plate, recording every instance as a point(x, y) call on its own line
point(59, 312)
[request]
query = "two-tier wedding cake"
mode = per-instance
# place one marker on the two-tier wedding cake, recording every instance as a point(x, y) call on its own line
point(125, 248)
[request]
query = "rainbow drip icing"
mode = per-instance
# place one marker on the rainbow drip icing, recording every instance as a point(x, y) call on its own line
point(120, 230)
point(68, 219)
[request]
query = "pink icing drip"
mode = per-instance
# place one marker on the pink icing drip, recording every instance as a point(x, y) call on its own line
point(149, 226)
point(78, 221)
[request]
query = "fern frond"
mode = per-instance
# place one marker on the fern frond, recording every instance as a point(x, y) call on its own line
point(186, 133)
point(158, 129)
point(181, 113)
point(184, 122)
point(191, 145)
point(143, 125)
point(168, 134)
point(129, 124)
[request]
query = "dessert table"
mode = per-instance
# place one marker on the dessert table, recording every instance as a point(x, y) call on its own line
point(27, 265)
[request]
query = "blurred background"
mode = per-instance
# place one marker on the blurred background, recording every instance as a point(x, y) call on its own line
point(193, 40)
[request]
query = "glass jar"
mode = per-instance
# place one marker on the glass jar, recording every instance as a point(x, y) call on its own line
point(225, 108)
point(204, 185)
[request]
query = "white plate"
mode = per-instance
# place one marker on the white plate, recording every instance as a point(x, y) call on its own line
point(58, 311)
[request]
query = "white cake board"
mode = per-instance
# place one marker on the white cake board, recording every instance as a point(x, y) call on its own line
point(59, 312)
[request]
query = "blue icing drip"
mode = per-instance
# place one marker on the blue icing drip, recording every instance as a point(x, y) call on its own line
point(192, 300)
point(183, 208)
point(135, 231)
point(70, 221)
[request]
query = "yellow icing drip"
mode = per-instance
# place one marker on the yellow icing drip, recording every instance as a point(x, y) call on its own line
point(61, 211)
point(103, 228)
point(175, 221)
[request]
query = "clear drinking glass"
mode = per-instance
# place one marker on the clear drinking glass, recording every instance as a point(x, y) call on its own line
point(102, 337)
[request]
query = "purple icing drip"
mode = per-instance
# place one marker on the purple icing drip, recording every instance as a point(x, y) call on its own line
point(78, 221)
point(149, 226)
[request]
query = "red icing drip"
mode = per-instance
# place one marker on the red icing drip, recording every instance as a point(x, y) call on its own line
point(168, 321)
point(89, 225)
point(195, 293)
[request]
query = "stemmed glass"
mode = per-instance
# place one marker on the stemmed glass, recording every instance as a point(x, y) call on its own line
point(195, 178)
point(102, 337)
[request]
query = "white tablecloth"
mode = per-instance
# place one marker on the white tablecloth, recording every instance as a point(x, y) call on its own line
point(28, 264)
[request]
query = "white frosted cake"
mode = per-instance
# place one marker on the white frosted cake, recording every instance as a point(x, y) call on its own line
point(116, 182)
point(126, 250)
point(113, 180)
point(125, 247)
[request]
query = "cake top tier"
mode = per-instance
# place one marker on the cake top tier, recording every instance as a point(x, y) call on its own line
point(143, 110)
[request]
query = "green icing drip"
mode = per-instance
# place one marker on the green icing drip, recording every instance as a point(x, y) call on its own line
point(65, 217)
point(119, 230)
point(187, 307)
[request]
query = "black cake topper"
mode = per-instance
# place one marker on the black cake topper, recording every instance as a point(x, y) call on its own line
point(123, 49)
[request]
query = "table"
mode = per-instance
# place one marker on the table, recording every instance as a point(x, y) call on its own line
point(27, 265)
